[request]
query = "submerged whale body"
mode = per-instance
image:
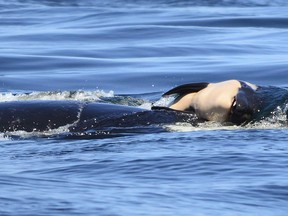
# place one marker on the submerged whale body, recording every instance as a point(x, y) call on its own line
point(229, 101)
point(31, 116)
point(45, 115)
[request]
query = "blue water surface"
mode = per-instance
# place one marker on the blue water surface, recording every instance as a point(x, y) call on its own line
point(130, 52)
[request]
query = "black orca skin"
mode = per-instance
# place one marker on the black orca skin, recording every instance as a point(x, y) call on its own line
point(45, 115)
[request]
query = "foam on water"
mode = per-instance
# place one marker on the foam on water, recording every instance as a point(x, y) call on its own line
point(277, 120)
point(37, 134)
point(58, 95)
point(207, 126)
point(4, 137)
point(164, 101)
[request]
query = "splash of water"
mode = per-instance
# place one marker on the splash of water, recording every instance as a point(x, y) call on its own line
point(58, 95)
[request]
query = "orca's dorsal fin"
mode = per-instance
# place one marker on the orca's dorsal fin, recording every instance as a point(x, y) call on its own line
point(187, 88)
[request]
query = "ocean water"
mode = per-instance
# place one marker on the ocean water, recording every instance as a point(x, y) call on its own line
point(129, 53)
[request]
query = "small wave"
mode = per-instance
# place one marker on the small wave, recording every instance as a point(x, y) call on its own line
point(277, 120)
point(89, 96)
point(58, 95)
point(145, 3)
point(164, 101)
point(4, 137)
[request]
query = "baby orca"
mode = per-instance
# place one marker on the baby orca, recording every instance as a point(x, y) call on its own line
point(228, 101)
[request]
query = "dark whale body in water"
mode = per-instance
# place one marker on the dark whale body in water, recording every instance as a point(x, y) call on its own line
point(229, 101)
point(37, 115)
point(78, 116)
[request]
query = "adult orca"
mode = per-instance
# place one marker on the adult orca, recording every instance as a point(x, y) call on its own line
point(232, 101)
point(43, 115)
point(40, 115)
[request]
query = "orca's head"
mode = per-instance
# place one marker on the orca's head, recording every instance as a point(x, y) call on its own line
point(244, 105)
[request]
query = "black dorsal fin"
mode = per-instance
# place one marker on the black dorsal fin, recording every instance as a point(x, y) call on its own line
point(187, 88)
